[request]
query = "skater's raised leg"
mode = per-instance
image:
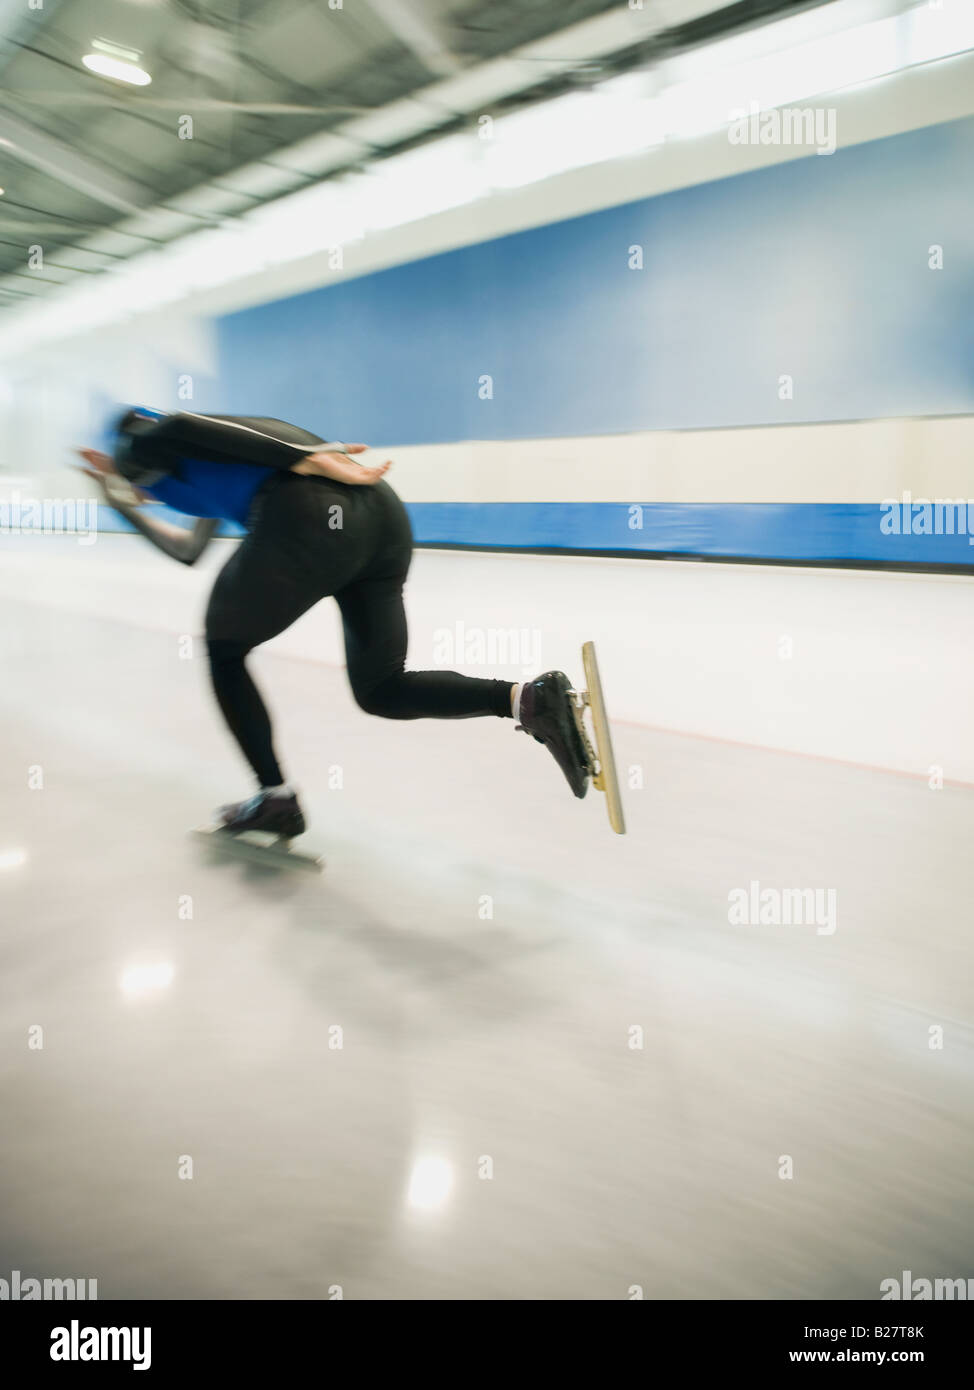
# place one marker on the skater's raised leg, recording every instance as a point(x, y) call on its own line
point(374, 622)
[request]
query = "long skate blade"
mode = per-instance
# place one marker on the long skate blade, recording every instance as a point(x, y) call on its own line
point(259, 848)
point(608, 780)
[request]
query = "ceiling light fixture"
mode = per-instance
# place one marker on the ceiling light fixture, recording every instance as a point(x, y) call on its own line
point(112, 60)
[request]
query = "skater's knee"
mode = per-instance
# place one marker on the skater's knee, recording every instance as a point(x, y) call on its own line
point(225, 654)
point(382, 698)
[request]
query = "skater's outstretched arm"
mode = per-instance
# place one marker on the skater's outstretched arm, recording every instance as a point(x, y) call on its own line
point(186, 546)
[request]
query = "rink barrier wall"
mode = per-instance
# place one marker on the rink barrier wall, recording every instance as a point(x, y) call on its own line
point(802, 533)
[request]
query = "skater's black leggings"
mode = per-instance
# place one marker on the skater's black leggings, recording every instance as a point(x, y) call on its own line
point(310, 537)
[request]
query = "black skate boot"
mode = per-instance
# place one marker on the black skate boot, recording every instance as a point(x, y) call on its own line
point(547, 711)
point(274, 815)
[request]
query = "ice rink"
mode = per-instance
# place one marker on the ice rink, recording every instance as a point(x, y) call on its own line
point(562, 1071)
point(659, 311)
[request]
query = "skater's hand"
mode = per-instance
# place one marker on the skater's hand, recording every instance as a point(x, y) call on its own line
point(99, 464)
point(341, 468)
point(114, 487)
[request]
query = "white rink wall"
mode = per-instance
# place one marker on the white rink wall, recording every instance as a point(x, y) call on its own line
point(866, 667)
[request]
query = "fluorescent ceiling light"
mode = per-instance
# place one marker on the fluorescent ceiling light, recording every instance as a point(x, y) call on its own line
point(121, 64)
point(121, 71)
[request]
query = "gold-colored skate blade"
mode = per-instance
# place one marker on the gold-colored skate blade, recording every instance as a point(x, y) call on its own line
point(259, 847)
point(602, 760)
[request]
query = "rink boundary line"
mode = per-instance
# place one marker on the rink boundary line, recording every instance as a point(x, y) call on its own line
point(627, 723)
point(789, 752)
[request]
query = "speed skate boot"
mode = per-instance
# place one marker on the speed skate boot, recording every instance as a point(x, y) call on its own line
point(547, 710)
point(267, 812)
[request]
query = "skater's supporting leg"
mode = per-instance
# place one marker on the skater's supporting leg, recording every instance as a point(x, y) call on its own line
point(263, 588)
point(243, 709)
point(374, 622)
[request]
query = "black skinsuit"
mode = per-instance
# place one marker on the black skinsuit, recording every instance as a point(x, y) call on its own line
point(309, 538)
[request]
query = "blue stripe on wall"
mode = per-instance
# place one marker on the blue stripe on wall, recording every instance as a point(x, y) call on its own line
point(814, 532)
point(793, 531)
point(816, 268)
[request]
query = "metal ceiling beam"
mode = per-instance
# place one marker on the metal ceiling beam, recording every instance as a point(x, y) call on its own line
point(37, 229)
point(469, 90)
point(410, 23)
point(60, 161)
point(17, 20)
